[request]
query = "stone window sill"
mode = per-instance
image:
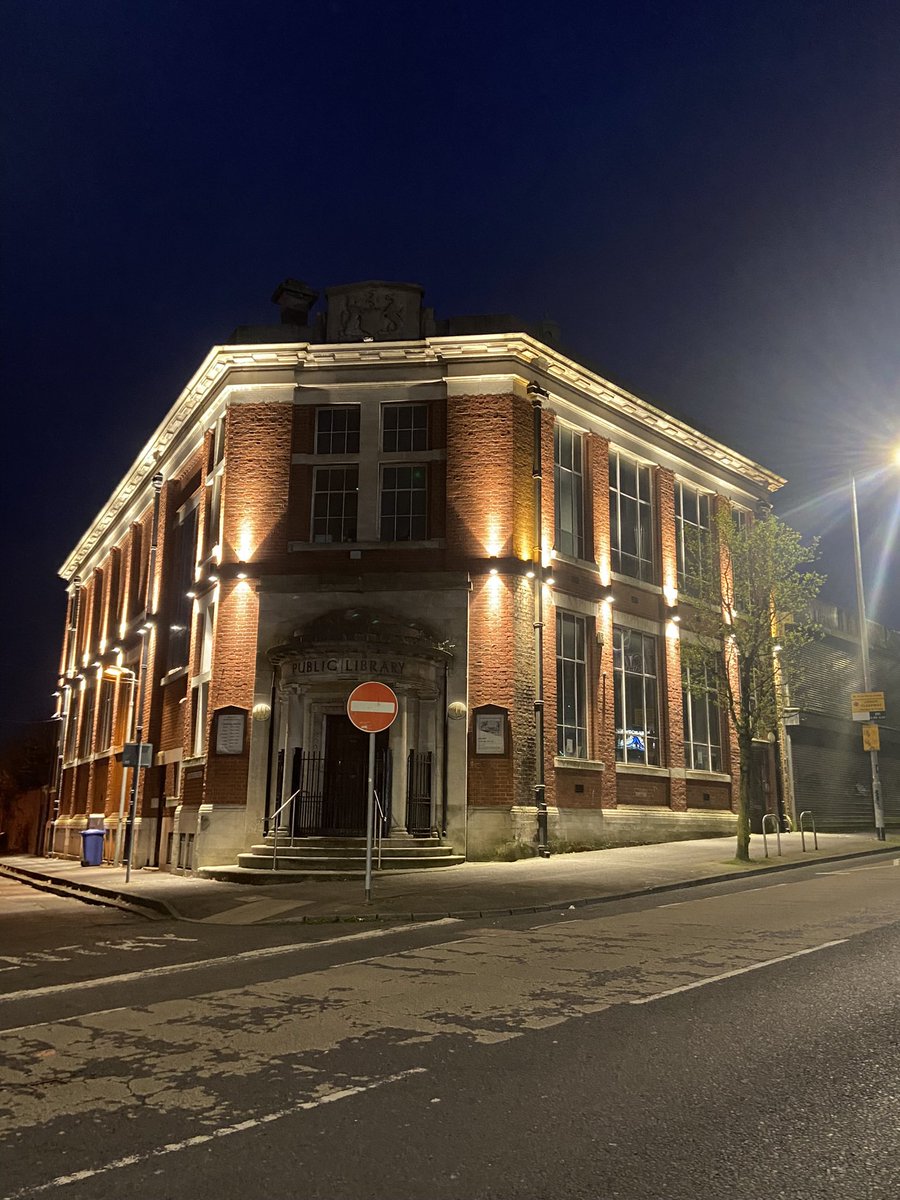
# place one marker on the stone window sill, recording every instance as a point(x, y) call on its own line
point(578, 764)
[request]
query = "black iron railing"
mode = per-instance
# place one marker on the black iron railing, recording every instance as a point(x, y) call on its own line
point(419, 805)
point(328, 798)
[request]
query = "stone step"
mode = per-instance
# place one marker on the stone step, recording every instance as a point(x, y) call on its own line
point(403, 839)
point(346, 867)
point(388, 850)
point(266, 876)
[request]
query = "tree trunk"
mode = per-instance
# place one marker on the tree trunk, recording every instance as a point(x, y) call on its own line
point(744, 796)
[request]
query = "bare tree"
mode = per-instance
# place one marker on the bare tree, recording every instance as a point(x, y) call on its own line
point(747, 593)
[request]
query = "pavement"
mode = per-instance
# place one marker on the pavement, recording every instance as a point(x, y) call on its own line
point(469, 890)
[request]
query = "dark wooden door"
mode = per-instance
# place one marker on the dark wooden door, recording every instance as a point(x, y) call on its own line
point(346, 776)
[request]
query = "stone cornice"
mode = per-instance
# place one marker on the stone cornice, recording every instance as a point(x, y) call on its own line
point(296, 358)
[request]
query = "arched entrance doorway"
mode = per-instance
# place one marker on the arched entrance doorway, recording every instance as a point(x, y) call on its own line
point(320, 761)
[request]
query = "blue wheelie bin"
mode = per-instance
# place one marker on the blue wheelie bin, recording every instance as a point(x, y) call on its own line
point(91, 847)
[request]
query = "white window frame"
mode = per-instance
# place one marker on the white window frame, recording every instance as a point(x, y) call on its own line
point(698, 499)
point(634, 756)
point(577, 668)
point(383, 517)
point(646, 557)
point(576, 540)
point(326, 539)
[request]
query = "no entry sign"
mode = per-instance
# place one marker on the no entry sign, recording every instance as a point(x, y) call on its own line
point(372, 707)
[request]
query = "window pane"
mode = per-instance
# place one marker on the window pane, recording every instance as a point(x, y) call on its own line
point(631, 519)
point(568, 492)
point(404, 503)
point(337, 430)
point(637, 715)
point(334, 504)
point(571, 686)
point(404, 427)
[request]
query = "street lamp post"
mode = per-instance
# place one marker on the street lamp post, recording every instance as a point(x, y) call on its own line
point(877, 803)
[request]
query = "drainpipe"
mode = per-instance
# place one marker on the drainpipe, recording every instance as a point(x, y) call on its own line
point(157, 482)
point(537, 396)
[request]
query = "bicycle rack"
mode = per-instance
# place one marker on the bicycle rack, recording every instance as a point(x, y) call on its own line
point(812, 819)
point(777, 831)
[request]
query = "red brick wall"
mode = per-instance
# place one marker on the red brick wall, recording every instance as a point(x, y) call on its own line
point(479, 476)
point(257, 475)
point(671, 692)
point(603, 736)
point(643, 789)
point(708, 795)
point(234, 673)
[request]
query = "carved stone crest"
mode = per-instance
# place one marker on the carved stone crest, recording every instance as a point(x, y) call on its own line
point(378, 312)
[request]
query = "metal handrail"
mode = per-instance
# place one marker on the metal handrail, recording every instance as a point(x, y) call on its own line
point(274, 819)
point(379, 817)
point(773, 817)
point(808, 813)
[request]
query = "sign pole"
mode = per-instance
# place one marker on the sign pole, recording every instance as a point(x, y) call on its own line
point(372, 708)
point(370, 817)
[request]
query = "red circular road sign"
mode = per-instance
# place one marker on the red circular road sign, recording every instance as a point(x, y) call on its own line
point(372, 707)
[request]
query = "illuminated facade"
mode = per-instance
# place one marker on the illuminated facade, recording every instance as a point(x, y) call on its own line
point(351, 496)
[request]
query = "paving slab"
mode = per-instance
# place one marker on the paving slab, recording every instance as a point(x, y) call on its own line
point(469, 890)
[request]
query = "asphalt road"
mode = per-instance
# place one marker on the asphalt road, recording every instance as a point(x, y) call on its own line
point(740, 1040)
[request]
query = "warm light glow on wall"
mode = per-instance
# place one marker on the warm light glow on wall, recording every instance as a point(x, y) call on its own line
point(494, 588)
point(522, 544)
point(243, 588)
point(493, 543)
point(246, 542)
point(604, 569)
point(546, 553)
point(670, 592)
point(672, 630)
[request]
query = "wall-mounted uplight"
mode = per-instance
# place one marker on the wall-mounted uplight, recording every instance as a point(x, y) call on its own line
point(191, 595)
point(777, 648)
point(549, 581)
point(242, 575)
point(608, 597)
point(529, 574)
point(177, 628)
point(493, 571)
point(213, 579)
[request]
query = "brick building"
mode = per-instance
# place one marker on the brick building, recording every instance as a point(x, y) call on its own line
point(349, 495)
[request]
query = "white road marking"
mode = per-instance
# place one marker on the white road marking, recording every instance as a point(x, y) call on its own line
point(131, 1160)
point(856, 870)
point(769, 962)
point(243, 956)
point(257, 910)
point(102, 1012)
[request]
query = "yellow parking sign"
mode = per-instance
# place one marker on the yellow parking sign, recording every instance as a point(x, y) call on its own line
point(871, 739)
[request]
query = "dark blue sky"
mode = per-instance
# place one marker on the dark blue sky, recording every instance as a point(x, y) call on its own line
point(704, 195)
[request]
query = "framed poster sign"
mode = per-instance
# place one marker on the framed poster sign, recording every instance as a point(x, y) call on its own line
point(231, 728)
point(490, 725)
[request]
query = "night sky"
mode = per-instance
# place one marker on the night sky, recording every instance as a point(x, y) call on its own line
point(705, 196)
